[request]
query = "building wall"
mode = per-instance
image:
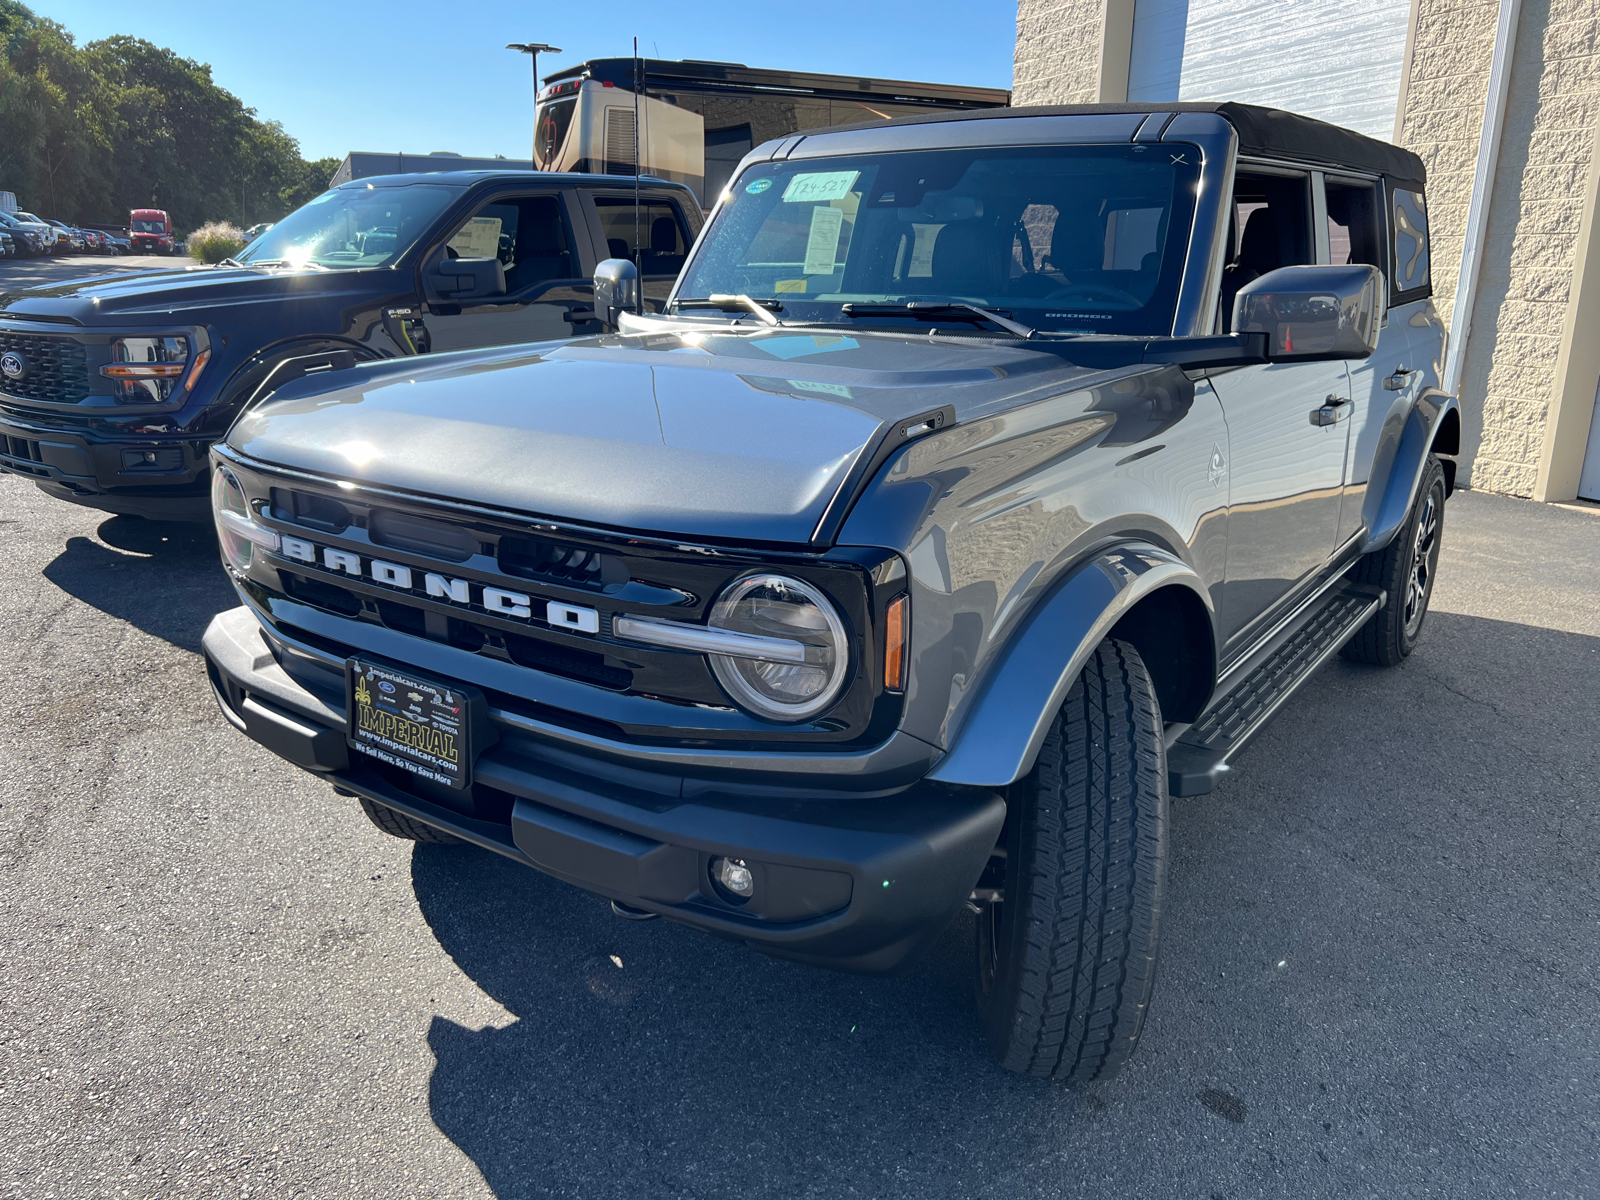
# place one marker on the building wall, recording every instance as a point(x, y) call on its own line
point(1508, 378)
point(1058, 51)
point(1527, 383)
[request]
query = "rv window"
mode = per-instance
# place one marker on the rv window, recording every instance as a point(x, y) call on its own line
point(662, 238)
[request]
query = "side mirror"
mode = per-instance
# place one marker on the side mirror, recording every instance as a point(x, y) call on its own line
point(616, 290)
point(468, 278)
point(1313, 313)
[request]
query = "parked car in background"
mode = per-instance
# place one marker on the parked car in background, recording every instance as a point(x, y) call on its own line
point(986, 480)
point(150, 230)
point(71, 240)
point(32, 237)
point(8, 248)
point(130, 378)
point(119, 244)
point(59, 242)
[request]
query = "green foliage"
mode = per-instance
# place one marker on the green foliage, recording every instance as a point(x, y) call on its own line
point(215, 241)
point(87, 133)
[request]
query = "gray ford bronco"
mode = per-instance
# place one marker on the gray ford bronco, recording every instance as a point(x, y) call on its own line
point(987, 480)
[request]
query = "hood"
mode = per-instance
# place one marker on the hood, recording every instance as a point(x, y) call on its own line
point(104, 299)
point(717, 435)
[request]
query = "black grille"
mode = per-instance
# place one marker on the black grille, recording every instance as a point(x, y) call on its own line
point(58, 371)
point(17, 447)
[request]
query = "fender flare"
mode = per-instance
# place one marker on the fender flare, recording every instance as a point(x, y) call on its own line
point(1405, 473)
point(1001, 736)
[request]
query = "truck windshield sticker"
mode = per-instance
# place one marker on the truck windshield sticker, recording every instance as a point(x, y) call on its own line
point(478, 238)
point(823, 244)
point(811, 186)
point(757, 186)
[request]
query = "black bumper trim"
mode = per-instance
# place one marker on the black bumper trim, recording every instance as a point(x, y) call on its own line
point(846, 882)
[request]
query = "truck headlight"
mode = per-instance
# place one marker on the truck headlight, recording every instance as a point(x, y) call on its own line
point(237, 530)
point(150, 369)
point(777, 606)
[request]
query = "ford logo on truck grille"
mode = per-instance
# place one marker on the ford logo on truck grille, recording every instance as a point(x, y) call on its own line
point(13, 365)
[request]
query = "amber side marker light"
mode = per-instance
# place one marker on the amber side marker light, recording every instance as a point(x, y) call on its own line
point(894, 645)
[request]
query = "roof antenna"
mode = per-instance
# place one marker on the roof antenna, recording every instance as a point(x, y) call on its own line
point(638, 249)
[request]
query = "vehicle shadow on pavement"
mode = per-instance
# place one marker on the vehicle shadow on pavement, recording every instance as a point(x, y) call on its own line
point(1326, 929)
point(647, 1059)
point(163, 577)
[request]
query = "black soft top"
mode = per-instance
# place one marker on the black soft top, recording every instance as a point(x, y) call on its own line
point(1265, 132)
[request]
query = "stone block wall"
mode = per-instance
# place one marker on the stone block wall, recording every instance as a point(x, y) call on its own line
point(1058, 52)
point(1508, 380)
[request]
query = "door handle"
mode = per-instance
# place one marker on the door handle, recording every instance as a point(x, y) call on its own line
point(1332, 411)
point(1398, 380)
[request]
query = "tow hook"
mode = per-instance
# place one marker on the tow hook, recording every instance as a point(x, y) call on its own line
point(629, 913)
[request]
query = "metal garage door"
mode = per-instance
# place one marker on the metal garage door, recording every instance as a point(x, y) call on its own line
point(1340, 62)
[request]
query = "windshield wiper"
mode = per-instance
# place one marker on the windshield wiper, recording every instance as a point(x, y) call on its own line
point(283, 262)
point(933, 309)
point(230, 262)
point(761, 308)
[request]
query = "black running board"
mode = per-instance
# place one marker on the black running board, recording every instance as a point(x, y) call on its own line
point(1254, 691)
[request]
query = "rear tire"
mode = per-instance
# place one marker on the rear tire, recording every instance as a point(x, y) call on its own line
point(1067, 959)
point(397, 824)
point(1405, 569)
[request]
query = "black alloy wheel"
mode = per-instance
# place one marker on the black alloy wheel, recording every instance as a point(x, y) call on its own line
point(1405, 569)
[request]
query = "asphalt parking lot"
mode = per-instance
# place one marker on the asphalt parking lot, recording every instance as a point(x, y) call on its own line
point(30, 272)
point(1380, 974)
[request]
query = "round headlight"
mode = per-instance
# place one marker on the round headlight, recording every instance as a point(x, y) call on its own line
point(228, 497)
point(776, 606)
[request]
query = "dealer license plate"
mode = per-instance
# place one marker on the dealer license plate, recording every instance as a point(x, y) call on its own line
point(421, 725)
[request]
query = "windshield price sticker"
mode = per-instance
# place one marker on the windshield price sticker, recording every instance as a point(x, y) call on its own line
point(422, 727)
point(823, 244)
point(812, 186)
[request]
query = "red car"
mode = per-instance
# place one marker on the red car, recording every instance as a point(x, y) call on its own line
point(150, 230)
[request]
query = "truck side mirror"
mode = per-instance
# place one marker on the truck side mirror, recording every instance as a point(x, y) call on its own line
point(616, 290)
point(1313, 313)
point(468, 278)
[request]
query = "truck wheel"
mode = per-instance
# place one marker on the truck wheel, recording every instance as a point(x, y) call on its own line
point(1405, 569)
point(1067, 956)
point(397, 824)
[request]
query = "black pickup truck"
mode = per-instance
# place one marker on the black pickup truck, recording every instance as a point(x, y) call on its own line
point(113, 388)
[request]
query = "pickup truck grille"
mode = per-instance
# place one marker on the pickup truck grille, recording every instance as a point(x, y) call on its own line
point(57, 368)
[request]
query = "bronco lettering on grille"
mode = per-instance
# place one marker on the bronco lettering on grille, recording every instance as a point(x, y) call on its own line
point(401, 578)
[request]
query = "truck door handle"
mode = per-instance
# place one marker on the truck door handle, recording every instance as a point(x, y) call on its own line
point(1398, 380)
point(1333, 408)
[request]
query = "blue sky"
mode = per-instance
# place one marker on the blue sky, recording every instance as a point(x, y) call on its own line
point(414, 76)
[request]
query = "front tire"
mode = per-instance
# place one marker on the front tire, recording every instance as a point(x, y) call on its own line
point(1067, 958)
point(1405, 569)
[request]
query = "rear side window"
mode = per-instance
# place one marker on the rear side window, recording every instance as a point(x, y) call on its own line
point(656, 231)
point(1413, 279)
point(1353, 227)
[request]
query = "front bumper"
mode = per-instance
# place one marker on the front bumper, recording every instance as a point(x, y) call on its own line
point(72, 466)
point(852, 882)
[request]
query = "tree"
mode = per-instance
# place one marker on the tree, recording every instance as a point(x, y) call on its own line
point(89, 133)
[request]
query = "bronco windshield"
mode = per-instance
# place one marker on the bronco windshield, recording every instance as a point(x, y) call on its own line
point(1083, 239)
point(358, 225)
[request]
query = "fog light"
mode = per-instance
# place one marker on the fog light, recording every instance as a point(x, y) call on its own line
point(733, 874)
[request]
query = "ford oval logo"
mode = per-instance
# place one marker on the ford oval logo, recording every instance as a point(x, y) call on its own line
point(13, 365)
point(385, 685)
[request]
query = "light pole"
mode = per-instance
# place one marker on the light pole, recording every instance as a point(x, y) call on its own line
point(531, 49)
